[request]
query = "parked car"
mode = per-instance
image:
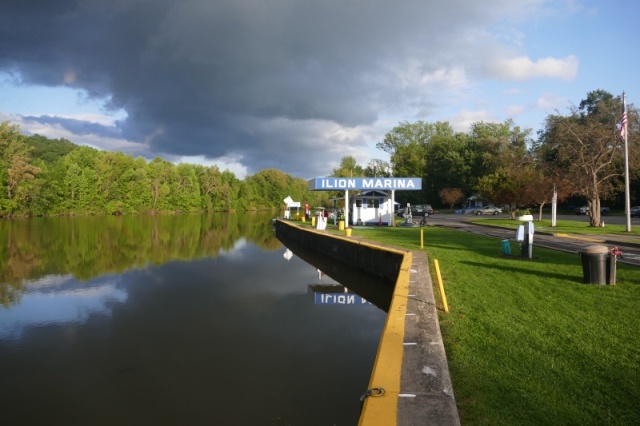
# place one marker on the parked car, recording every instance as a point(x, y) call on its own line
point(488, 210)
point(585, 210)
point(421, 210)
point(417, 210)
point(466, 210)
point(582, 210)
point(635, 211)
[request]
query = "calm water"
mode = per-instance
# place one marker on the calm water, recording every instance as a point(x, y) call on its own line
point(179, 320)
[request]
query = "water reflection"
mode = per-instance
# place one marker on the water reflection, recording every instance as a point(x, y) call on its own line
point(366, 287)
point(88, 247)
point(59, 299)
point(186, 332)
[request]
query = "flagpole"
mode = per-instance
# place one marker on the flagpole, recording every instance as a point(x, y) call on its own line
point(627, 200)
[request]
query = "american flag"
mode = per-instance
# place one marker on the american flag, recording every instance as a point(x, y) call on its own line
point(623, 124)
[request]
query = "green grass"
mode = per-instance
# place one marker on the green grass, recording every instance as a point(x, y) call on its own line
point(565, 226)
point(527, 342)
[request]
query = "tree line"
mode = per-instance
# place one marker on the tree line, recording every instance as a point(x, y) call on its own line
point(42, 176)
point(579, 154)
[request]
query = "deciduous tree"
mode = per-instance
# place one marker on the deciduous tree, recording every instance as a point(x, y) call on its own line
point(587, 146)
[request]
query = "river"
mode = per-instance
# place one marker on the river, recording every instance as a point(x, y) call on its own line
point(188, 319)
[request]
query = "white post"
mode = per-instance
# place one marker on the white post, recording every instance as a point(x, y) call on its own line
point(554, 205)
point(627, 201)
point(346, 208)
point(393, 208)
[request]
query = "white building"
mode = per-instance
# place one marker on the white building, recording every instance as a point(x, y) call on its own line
point(371, 208)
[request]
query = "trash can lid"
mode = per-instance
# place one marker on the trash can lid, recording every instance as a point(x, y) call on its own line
point(596, 249)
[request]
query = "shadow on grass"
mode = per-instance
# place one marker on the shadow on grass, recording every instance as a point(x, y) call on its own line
point(510, 268)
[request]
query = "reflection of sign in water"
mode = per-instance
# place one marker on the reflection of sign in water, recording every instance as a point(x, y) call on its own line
point(287, 254)
point(339, 299)
point(335, 294)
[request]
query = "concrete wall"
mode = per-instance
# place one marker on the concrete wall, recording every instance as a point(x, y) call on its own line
point(380, 262)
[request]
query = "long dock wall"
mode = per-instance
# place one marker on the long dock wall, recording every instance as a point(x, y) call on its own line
point(380, 262)
point(411, 364)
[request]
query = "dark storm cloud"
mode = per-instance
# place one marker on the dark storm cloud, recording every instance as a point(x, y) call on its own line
point(218, 77)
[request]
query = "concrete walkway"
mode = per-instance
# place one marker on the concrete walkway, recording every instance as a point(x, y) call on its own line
point(426, 395)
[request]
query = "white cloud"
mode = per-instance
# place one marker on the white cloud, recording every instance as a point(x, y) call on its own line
point(523, 68)
point(415, 74)
point(513, 110)
point(233, 164)
point(463, 121)
point(57, 131)
point(549, 102)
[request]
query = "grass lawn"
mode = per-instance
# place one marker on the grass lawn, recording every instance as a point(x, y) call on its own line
point(527, 342)
point(565, 226)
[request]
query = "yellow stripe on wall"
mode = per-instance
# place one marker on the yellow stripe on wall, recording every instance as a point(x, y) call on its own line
point(383, 410)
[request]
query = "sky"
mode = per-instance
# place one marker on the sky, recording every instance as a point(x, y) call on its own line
point(297, 85)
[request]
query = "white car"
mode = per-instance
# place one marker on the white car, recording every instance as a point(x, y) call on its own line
point(488, 210)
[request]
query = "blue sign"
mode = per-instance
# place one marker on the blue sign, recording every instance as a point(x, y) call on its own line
point(382, 183)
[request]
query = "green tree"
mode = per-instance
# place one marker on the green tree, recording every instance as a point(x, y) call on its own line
point(587, 146)
point(16, 172)
point(158, 181)
point(230, 188)
point(450, 158)
point(406, 146)
point(187, 194)
point(49, 150)
point(377, 168)
point(349, 167)
point(210, 181)
point(495, 144)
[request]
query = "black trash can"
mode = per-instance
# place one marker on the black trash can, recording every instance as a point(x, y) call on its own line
point(594, 264)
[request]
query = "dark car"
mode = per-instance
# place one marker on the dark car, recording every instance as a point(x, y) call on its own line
point(421, 210)
point(635, 211)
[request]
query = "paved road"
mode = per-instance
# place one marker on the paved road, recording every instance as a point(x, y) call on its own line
point(546, 237)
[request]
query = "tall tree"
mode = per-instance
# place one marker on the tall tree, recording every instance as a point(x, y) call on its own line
point(406, 146)
point(377, 168)
point(587, 146)
point(159, 178)
point(210, 180)
point(349, 167)
point(451, 196)
point(16, 170)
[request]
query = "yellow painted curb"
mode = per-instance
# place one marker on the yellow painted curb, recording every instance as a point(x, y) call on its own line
point(383, 410)
point(577, 237)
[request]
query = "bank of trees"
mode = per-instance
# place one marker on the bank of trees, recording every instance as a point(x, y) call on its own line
point(41, 176)
point(579, 154)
